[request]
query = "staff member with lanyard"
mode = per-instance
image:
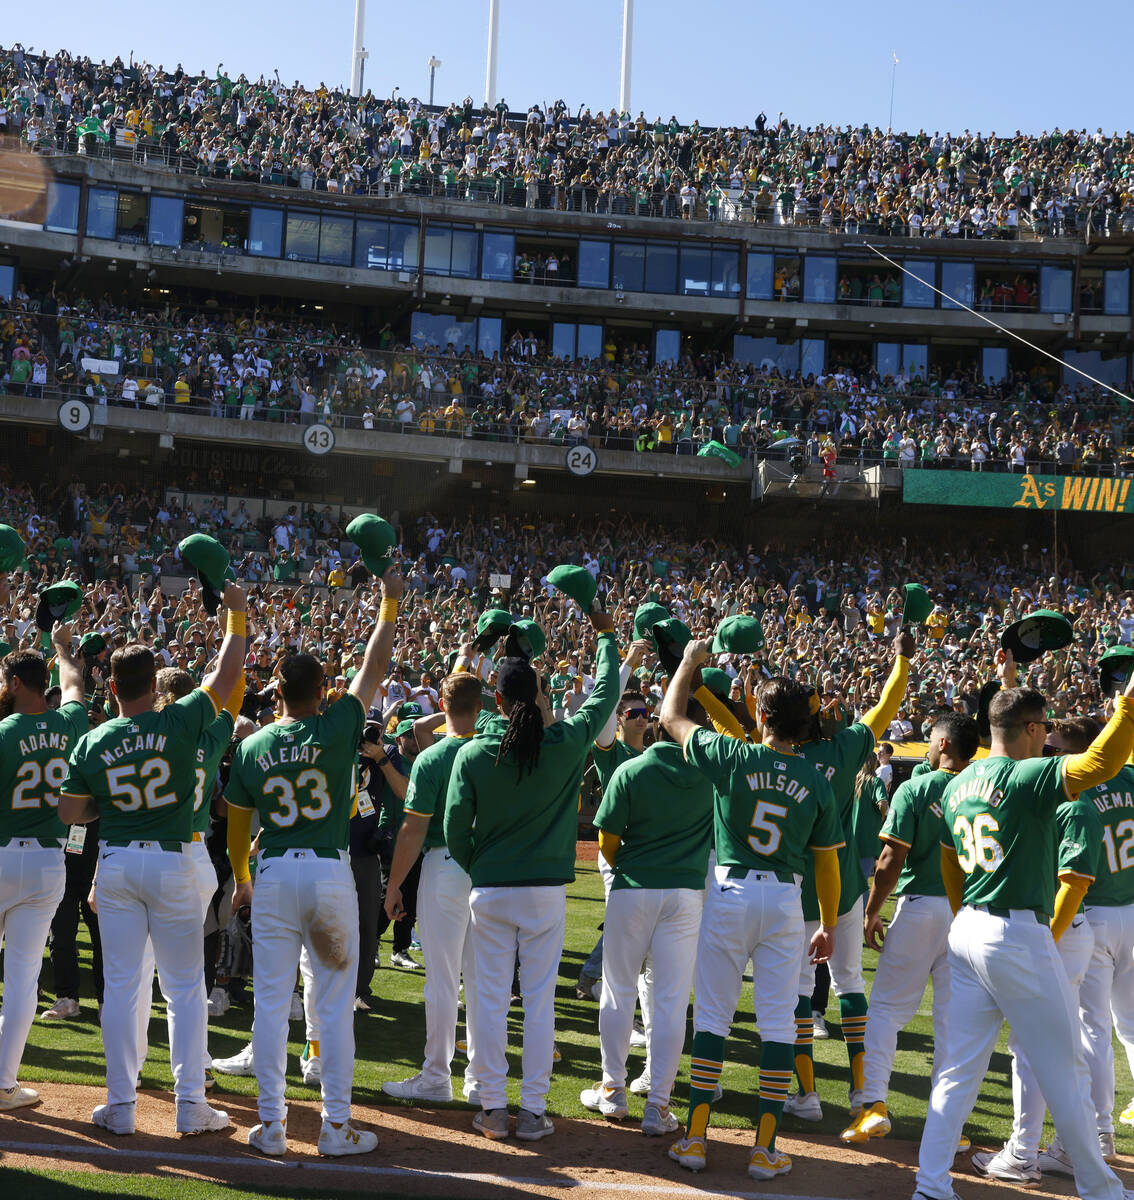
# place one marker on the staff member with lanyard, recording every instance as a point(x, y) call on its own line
point(511, 823)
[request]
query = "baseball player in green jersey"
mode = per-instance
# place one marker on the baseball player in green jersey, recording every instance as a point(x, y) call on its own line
point(914, 948)
point(839, 759)
point(173, 684)
point(511, 823)
point(1000, 838)
point(34, 744)
point(137, 774)
point(1080, 844)
point(655, 827)
point(773, 811)
point(1107, 989)
point(443, 898)
point(299, 775)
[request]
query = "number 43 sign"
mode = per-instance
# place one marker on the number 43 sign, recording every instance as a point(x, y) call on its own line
point(318, 439)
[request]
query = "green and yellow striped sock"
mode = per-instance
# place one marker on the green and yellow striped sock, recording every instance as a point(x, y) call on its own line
point(804, 1039)
point(706, 1060)
point(775, 1080)
point(853, 1011)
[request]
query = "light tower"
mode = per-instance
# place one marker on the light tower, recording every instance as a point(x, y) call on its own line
point(627, 54)
point(493, 45)
point(359, 56)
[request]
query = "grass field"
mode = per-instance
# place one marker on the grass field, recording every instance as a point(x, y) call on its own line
point(390, 1041)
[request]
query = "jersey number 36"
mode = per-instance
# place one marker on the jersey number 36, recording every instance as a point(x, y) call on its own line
point(979, 848)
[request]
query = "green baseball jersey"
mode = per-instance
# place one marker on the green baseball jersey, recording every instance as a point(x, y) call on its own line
point(1080, 838)
point(214, 742)
point(508, 827)
point(391, 806)
point(867, 818)
point(33, 768)
point(1114, 803)
point(300, 778)
point(914, 821)
point(141, 771)
point(839, 759)
point(608, 759)
point(1000, 819)
point(770, 807)
point(429, 785)
point(662, 809)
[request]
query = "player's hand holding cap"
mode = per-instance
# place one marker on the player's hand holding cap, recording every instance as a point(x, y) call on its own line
point(491, 626)
point(717, 681)
point(1035, 634)
point(576, 582)
point(13, 551)
point(209, 559)
point(647, 616)
point(916, 604)
point(671, 636)
point(525, 640)
point(59, 602)
point(739, 634)
point(375, 538)
point(1115, 668)
point(92, 644)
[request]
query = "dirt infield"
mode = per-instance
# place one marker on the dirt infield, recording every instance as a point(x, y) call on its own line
point(435, 1153)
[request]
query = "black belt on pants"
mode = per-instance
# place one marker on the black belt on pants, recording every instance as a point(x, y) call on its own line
point(171, 847)
point(319, 853)
point(744, 872)
point(1006, 913)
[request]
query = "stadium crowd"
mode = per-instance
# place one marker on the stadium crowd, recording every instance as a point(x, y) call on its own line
point(832, 602)
point(284, 367)
point(837, 178)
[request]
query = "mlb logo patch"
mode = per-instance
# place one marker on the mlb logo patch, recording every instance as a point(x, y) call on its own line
point(780, 766)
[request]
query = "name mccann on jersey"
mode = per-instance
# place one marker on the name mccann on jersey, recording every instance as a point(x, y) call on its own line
point(43, 741)
point(765, 781)
point(132, 745)
point(284, 755)
point(1114, 800)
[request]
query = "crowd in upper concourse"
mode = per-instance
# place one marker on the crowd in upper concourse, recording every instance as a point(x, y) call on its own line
point(279, 365)
point(838, 177)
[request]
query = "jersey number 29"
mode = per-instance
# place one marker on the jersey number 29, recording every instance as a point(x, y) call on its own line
point(31, 777)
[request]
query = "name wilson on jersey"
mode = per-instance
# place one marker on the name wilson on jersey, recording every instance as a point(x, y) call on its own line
point(767, 781)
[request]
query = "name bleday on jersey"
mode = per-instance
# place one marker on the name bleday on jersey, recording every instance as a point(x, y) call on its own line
point(288, 754)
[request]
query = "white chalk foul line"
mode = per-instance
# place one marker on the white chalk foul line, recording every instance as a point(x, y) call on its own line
point(189, 1161)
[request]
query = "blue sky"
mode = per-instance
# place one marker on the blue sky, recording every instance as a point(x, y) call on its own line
point(967, 64)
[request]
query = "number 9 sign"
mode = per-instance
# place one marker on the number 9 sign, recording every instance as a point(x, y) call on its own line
point(318, 439)
point(74, 415)
point(581, 460)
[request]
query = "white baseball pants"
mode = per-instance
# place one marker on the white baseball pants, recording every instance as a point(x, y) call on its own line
point(664, 924)
point(755, 918)
point(506, 921)
point(916, 947)
point(32, 878)
point(146, 892)
point(846, 961)
point(300, 899)
point(442, 924)
point(1107, 992)
point(1007, 968)
point(645, 974)
point(1028, 1103)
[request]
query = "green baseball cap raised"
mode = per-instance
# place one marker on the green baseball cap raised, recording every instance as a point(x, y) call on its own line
point(92, 644)
point(491, 625)
point(647, 616)
point(13, 551)
point(739, 634)
point(525, 640)
point(1114, 669)
point(916, 606)
point(375, 538)
point(59, 602)
point(717, 681)
point(209, 559)
point(1037, 633)
point(576, 582)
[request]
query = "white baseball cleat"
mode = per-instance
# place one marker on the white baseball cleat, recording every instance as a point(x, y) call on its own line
point(17, 1097)
point(1005, 1165)
point(1055, 1160)
point(64, 1009)
point(610, 1101)
point(115, 1118)
point(338, 1140)
point(638, 1036)
point(819, 1028)
point(767, 1164)
point(689, 1153)
point(239, 1064)
point(199, 1117)
point(657, 1121)
point(310, 1066)
point(269, 1138)
point(641, 1086)
point(417, 1087)
point(219, 1002)
point(804, 1105)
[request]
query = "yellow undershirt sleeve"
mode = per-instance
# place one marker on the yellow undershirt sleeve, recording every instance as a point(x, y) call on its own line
point(893, 693)
point(1072, 889)
point(239, 842)
point(723, 720)
point(608, 844)
point(1105, 756)
point(953, 878)
point(235, 697)
point(828, 884)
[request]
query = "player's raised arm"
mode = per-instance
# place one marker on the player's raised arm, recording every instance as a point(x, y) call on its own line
point(672, 712)
point(1105, 756)
point(226, 672)
point(70, 669)
point(376, 660)
point(894, 689)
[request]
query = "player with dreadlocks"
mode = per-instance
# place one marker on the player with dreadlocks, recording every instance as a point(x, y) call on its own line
point(510, 822)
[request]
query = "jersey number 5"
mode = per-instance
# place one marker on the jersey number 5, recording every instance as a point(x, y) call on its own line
point(978, 846)
point(289, 811)
point(764, 819)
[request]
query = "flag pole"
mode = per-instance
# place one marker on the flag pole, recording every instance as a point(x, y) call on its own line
point(893, 80)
